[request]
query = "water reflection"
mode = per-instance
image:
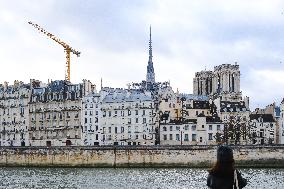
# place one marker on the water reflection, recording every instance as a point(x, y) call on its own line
point(127, 178)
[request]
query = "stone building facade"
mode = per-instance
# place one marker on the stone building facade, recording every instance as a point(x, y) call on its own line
point(55, 113)
point(263, 129)
point(281, 123)
point(192, 106)
point(128, 118)
point(204, 130)
point(91, 119)
point(14, 111)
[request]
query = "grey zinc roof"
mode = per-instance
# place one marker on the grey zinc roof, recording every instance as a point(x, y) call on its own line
point(227, 106)
point(56, 86)
point(39, 90)
point(277, 111)
point(194, 97)
point(11, 89)
point(61, 85)
point(93, 94)
point(123, 96)
point(265, 117)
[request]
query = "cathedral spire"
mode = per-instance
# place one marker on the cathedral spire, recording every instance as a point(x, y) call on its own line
point(150, 68)
point(150, 46)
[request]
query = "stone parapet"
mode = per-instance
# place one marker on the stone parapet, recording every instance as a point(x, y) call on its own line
point(138, 156)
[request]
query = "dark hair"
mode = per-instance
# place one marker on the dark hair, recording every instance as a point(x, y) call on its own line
point(225, 164)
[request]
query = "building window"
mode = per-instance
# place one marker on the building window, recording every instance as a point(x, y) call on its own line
point(144, 120)
point(136, 112)
point(202, 126)
point(143, 112)
point(109, 113)
point(109, 130)
point(129, 112)
point(137, 136)
point(193, 137)
point(115, 130)
point(200, 139)
point(171, 136)
point(171, 128)
point(218, 127)
point(193, 127)
point(177, 137)
point(86, 120)
point(165, 137)
point(136, 120)
point(90, 120)
point(129, 129)
point(91, 113)
point(196, 113)
point(97, 137)
point(185, 137)
point(210, 127)
point(210, 136)
point(164, 128)
point(122, 129)
point(177, 128)
point(186, 127)
point(86, 112)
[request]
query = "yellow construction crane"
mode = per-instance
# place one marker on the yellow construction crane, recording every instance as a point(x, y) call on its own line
point(66, 47)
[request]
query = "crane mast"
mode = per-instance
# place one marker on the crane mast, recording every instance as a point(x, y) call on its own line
point(67, 48)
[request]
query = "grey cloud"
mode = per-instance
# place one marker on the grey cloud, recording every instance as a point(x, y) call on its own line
point(187, 36)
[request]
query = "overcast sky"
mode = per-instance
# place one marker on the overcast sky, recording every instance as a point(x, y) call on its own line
point(188, 36)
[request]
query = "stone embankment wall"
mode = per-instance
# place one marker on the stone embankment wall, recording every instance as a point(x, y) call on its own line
point(138, 156)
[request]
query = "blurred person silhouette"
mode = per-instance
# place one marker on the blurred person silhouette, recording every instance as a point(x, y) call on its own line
point(223, 175)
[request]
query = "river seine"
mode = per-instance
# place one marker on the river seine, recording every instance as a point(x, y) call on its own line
point(108, 178)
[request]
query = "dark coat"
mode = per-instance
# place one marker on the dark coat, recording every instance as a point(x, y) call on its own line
point(221, 182)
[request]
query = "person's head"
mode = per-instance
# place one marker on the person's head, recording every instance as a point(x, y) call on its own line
point(225, 161)
point(225, 154)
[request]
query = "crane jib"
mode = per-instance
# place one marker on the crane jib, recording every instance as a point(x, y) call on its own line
point(67, 48)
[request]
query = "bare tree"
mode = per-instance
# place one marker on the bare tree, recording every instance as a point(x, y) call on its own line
point(236, 131)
